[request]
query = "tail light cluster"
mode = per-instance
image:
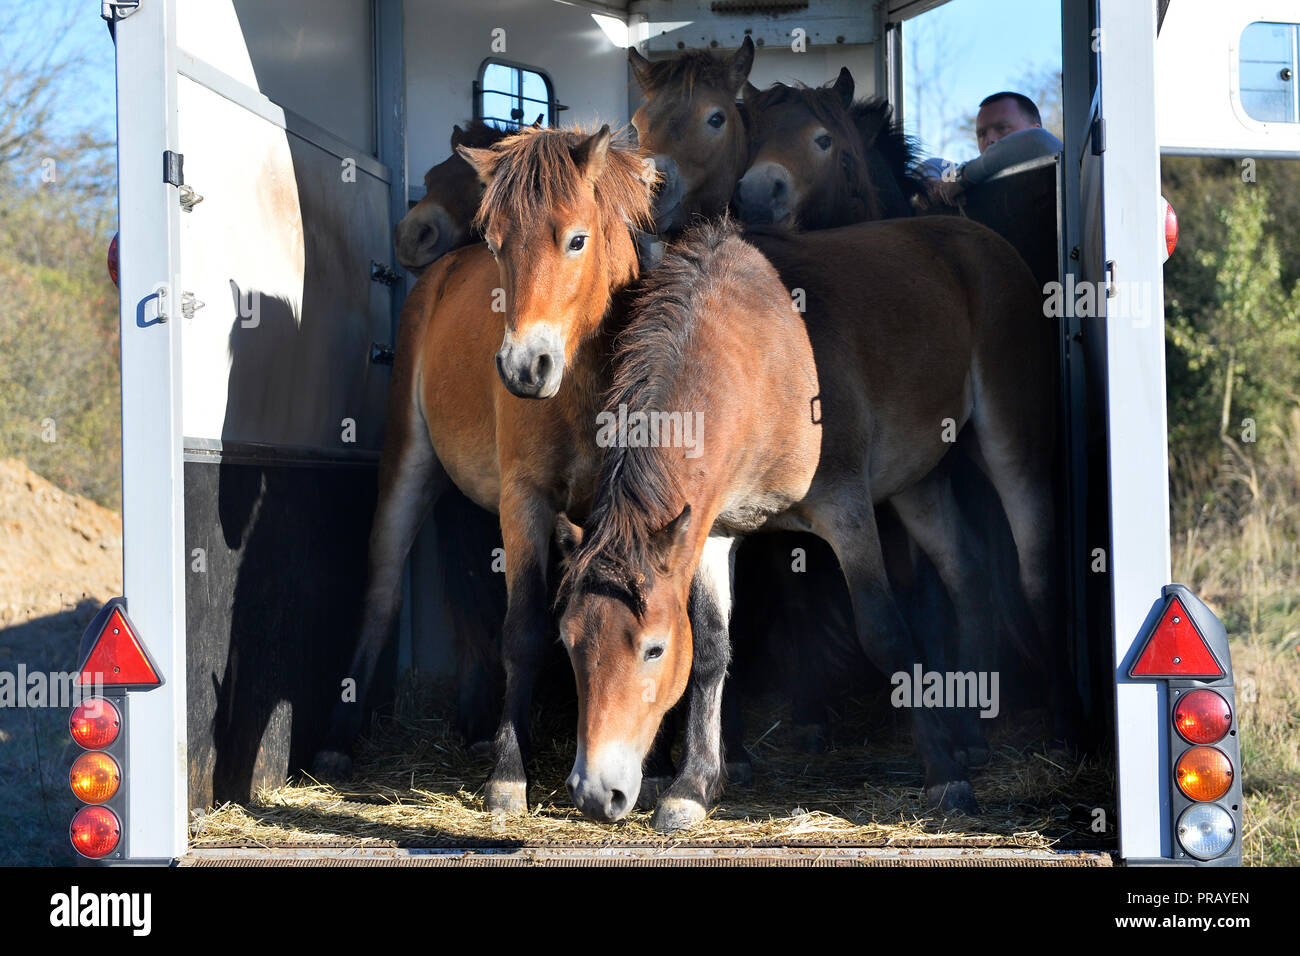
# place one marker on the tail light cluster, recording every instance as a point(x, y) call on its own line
point(1187, 647)
point(113, 661)
point(96, 776)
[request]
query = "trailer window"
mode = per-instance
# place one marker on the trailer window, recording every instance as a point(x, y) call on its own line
point(512, 95)
point(1268, 67)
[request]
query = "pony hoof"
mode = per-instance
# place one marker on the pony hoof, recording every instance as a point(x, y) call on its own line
point(331, 765)
point(674, 814)
point(479, 749)
point(506, 797)
point(740, 772)
point(651, 788)
point(956, 796)
point(812, 738)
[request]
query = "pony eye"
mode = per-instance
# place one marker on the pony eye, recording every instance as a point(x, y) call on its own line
point(654, 652)
point(717, 118)
point(824, 140)
point(577, 243)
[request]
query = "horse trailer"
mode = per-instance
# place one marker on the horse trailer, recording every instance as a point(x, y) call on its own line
point(266, 152)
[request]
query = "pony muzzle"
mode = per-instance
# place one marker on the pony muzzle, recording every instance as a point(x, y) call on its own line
point(424, 235)
point(669, 194)
point(532, 367)
point(605, 788)
point(765, 194)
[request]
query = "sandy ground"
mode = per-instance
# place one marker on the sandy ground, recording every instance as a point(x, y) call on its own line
point(60, 559)
point(56, 549)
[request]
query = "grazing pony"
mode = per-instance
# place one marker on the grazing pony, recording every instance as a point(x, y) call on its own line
point(809, 422)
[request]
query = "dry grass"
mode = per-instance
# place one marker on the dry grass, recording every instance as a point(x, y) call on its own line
point(1236, 542)
point(415, 785)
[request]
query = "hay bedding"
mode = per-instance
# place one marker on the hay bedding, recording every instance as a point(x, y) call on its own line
point(416, 786)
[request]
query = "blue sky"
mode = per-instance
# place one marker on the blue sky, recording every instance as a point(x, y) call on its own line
point(987, 46)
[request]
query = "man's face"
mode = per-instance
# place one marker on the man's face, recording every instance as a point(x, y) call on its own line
point(1000, 118)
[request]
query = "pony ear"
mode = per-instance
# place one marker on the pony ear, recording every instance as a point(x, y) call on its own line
point(457, 137)
point(484, 161)
point(740, 63)
point(589, 155)
point(843, 87)
point(568, 536)
point(669, 541)
point(641, 68)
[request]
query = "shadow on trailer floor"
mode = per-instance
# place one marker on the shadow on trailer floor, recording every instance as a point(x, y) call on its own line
point(416, 799)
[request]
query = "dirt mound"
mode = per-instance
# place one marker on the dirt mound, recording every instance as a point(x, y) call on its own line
point(56, 549)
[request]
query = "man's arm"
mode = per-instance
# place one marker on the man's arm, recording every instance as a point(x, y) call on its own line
point(1019, 147)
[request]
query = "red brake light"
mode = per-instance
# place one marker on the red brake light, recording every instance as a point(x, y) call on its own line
point(95, 723)
point(1202, 717)
point(112, 259)
point(117, 657)
point(1176, 648)
point(95, 831)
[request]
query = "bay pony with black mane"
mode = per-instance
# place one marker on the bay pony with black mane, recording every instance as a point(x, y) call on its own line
point(810, 421)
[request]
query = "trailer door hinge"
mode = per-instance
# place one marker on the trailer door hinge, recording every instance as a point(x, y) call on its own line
point(173, 167)
point(1098, 136)
point(114, 10)
point(1111, 291)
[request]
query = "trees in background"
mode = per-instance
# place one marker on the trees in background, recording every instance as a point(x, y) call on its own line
point(59, 395)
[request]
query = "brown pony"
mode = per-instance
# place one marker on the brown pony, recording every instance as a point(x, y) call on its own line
point(691, 126)
point(443, 219)
point(819, 160)
point(809, 423)
point(491, 327)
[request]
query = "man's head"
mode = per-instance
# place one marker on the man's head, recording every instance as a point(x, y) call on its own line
point(1003, 114)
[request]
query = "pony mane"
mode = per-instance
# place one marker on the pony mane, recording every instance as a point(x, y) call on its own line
point(685, 70)
point(638, 493)
point(874, 119)
point(534, 171)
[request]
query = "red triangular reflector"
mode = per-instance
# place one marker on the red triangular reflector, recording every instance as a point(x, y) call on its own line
point(1176, 648)
point(117, 657)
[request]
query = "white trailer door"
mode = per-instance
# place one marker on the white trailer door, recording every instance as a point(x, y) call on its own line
point(1113, 158)
point(152, 486)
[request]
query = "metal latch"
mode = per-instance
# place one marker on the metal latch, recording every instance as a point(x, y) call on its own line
point(114, 10)
point(190, 304)
point(189, 198)
point(382, 273)
point(1111, 290)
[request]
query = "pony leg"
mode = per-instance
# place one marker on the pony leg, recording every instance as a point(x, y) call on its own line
point(1019, 471)
point(848, 524)
point(699, 781)
point(658, 772)
point(931, 514)
point(410, 479)
point(526, 527)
